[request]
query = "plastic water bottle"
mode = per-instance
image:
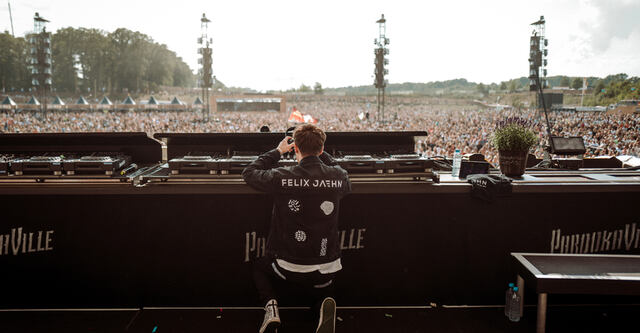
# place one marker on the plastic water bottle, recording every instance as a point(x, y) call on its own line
point(457, 160)
point(514, 306)
point(507, 299)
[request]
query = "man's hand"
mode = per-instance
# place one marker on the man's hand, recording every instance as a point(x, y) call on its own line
point(285, 146)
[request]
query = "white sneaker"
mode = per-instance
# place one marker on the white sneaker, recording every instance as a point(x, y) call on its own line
point(271, 317)
point(327, 322)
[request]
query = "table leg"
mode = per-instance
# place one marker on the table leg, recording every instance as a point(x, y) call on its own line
point(520, 285)
point(542, 312)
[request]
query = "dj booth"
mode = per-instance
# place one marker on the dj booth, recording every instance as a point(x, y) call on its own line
point(168, 221)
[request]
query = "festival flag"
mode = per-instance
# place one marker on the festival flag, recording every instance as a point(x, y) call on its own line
point(297, 117)
point(309, 119)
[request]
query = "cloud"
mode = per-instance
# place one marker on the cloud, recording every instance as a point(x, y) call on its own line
point(614, 20)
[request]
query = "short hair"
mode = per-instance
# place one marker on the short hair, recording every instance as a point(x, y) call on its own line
point(309, 139)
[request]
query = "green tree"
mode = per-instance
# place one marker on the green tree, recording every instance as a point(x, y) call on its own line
point(64, 49)
point(615, 78)
point(564, 82)
point(317, 89)
point(503, 86)
point(304, 88)
point(598, 88)
point(513, 86)
point(183, 77)
point(160, 71)
point(482, 89)
point(576, 83)
point(130, 59)
point(93, 60)
point(14, 56)
point(619, 87)
point(96, 60)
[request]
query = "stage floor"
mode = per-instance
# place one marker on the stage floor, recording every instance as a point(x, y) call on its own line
point(584, 318)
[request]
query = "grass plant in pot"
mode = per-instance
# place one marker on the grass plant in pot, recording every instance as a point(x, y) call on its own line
point(513, 138)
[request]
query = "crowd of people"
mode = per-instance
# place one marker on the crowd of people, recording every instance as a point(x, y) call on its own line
point(450, 124)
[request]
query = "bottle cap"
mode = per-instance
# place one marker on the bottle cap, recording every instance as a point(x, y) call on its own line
point(511, 285)
point(515, 288)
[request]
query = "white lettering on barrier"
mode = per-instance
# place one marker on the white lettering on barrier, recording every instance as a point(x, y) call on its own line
point(623, 239)
point(18, 241)
point(255, 245)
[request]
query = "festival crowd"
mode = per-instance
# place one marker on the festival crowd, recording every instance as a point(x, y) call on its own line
point(450, 124)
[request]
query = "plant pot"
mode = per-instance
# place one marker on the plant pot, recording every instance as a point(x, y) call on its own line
point(513, 163)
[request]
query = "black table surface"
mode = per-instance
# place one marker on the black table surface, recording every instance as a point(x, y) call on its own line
point(581, 273)
point(584, 265)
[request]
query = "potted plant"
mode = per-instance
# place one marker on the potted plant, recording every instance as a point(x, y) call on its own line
point(513, 138)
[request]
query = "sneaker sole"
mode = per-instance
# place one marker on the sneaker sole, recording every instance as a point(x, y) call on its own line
point(327, 316)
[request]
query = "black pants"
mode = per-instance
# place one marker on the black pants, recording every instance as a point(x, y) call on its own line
point(290, 288)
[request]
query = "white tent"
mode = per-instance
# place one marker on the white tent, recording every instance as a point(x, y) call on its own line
point(8, 101)
point(33, 101)
point(58, 101)
point(82, 101)
point(106, 101)
point(129, 101)
point(176, 101)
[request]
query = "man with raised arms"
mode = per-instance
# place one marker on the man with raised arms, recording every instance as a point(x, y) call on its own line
point(303, 248)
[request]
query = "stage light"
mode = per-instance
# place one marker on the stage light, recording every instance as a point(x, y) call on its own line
point(380, 61)
point(537, 66)
point(40, 52)
point(205, 80)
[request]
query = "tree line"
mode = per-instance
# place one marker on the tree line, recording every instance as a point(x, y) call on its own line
point(614, 88)
point(601, 91)
point(89, 60)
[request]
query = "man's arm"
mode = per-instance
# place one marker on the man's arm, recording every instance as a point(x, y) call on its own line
point(347, 184)
point(327, 159)
point(259, 175)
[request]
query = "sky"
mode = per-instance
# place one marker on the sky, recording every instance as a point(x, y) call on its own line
point(282, 44)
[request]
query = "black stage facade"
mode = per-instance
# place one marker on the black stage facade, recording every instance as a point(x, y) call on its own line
point(143, 240)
